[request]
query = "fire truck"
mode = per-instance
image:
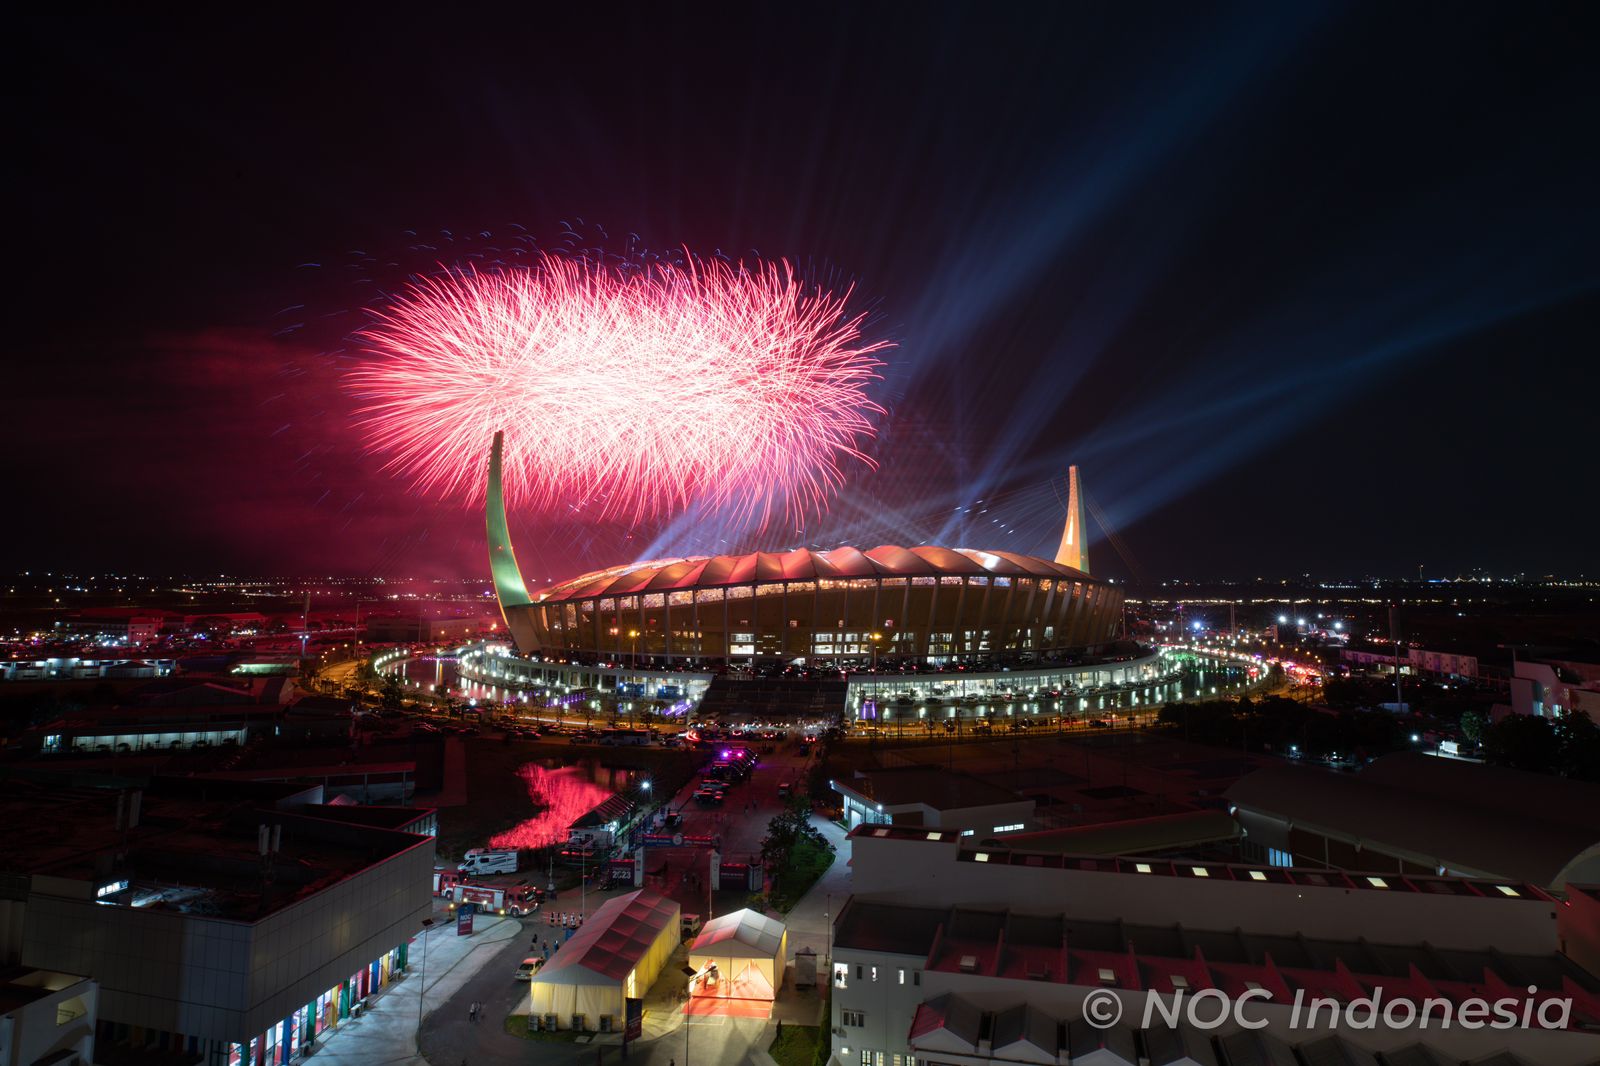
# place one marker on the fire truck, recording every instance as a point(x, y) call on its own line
point(514, 900)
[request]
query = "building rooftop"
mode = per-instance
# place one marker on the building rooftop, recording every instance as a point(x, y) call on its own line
point(1063, 950)
point(942, 790)
point(184, 844)
point(1465, 816)
point(1130, 837)
point(1004, 853)
point(21, 985)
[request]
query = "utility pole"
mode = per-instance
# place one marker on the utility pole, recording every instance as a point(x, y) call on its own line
point(1394, 633)
point(422, 979)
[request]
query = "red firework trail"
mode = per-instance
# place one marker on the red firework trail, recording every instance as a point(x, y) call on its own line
point(566, 797)
point(638, 393)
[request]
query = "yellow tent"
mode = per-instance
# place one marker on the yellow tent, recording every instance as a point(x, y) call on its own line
point(616, 955)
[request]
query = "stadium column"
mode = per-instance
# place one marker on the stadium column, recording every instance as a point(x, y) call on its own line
point(958, 636)
point(1047, 619)
point(905, 614)
point(666, 624)
point(1069, 613)
point(783, 623)
point(877, 618)
point(816, 607)
point(1085, 615)
point(1028, 618)
point(1006, 616)
point(985, 622)
point(933, 620)
point(838, 638)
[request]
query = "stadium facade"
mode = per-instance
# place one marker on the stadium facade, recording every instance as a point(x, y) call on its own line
point(933, 605)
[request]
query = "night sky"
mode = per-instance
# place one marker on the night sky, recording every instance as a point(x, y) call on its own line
point(1302, 289)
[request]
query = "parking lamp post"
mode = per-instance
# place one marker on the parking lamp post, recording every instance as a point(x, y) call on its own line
point(688, 997)
point(422, 979)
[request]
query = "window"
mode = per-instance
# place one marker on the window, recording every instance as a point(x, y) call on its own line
point(841, 973)
point(916, 978)
point(1108, 976)
point(866, 1057)
point(902, 981)
point(874, 974)
point(1012, 828)
point(855, 1019)
point(860, 971)
point(878, 1058)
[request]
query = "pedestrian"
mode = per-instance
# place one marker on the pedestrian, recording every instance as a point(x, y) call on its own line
point(472, 1011)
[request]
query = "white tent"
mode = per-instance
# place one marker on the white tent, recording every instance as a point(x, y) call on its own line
point(749, 951)
point(616, 955)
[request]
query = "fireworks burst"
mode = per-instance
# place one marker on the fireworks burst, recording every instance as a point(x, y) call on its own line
point(638, 392)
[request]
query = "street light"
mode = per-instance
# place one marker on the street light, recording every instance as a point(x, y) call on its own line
point(688, 971)
point(422, 978)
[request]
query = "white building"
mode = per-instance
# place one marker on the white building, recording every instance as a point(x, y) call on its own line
point(938, 799)
point(46, 1018)
point(925, 968)
point(1551, 689)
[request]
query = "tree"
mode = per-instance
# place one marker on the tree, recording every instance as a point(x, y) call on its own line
point(1578, 744)
point(392, 692)
point(1522, 741)
point(1473, 724)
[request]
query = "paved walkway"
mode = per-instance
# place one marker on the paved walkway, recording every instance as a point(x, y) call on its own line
point(811, 918)
point(386, 1032)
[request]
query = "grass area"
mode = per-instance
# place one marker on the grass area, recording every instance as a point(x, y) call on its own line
point(795, 1045)
point(517, 1026)
point(807, 862)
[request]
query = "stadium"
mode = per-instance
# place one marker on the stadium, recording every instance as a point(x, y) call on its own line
point(931, 606)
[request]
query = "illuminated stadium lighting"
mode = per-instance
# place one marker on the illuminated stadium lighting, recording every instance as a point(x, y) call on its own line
point(923, 602)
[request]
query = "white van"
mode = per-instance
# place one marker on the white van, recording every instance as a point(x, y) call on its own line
point(481, 861)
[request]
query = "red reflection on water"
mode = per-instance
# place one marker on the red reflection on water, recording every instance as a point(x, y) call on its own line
point(566, 796)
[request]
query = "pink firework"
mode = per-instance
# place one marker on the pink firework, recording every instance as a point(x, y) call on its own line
point(632, 393)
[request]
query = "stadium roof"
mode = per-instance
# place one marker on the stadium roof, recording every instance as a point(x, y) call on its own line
point(803, 564)
point(1484, 820)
